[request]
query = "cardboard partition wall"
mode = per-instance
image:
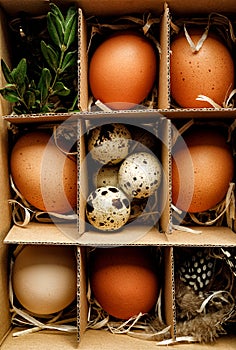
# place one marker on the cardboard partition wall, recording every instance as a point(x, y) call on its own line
point(181, 246)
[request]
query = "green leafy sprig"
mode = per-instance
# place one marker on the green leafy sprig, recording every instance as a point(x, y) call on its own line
point(57, 80)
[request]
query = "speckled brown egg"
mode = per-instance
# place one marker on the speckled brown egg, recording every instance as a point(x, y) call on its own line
point(108, 208)
point(124, 280)
point(208, 72)
point(109, 143)
point(43, 174)
point(122, 70)
point(202, 170)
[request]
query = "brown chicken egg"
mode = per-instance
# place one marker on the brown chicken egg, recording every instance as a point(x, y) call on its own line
point(44, 175)
point(44, 278)
point(208, 72)
point(122, 70)
point(124, 280)
point(202, 170)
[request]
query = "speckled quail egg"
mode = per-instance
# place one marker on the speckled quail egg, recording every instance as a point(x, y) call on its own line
point(107, 175)
point(109, 143)
point(140, 175)
point(108, 208)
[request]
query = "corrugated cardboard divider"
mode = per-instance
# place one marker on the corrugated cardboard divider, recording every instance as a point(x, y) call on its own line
point(169, 291)
point(82, 292)
point(5, 215)
point(164, 74)
point(83, 63)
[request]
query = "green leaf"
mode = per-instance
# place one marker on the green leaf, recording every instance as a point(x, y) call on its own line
point(46, 109)
point(70, 12)
point(6, 72)
point(18, 74)
point(60, 89)
point(30, 99)
point(44, 84)
point(21, 89)
point(32, 85)
point(70, 60)
point(20, 110)
point(74, 104)
point(50, 55)
point(56, 11)
point(10, 95)
point(70, 30)
point(55, 29)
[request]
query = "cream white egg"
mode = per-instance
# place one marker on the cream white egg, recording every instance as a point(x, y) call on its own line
point(140, 175)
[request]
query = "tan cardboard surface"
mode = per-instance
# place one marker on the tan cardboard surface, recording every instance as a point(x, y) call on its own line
point(168, 297)
point(37, 118)
point(82, 293)
point(209, 236)
point(163, 93)
point(101, 340)
point(83, 63)
point(143, 235)
point(41, 340)
point(5, 216)
point(107, 8)
point(209, 113)
point(36, 233)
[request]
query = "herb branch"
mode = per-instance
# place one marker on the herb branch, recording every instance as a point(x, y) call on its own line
point(56, 85)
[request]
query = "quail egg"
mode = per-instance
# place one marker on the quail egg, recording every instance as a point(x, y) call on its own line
point(108, 208)
point(106, 176)
point(109, 143)
point(140, 175)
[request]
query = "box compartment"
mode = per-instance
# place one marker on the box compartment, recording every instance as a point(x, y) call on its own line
point(190, 13)
point(161, 36)
point(222, 214)
point(165, 312)
point(204, 292)
point(159, 127)
point(38, 226)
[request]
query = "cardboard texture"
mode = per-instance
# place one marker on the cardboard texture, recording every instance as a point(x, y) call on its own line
point(77, 233)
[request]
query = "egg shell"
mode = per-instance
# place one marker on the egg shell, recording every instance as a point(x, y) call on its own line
point(140, 175)
point(124, 280)
point(208, 72)
point(106, 176)
point(43, 174)
point(122, 70)
point(109, 143)
point(44, 278)
point(200, 185)
point(107, 208)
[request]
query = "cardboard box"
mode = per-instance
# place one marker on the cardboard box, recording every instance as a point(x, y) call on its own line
point(41, 233)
